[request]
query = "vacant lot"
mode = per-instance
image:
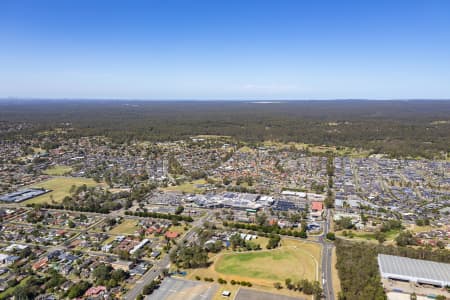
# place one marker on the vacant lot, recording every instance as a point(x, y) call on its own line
point(60, 187)
point(58, 170)
point(188, 187)
point(126, 227)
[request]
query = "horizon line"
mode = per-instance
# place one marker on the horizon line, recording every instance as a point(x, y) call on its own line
point(2, 99)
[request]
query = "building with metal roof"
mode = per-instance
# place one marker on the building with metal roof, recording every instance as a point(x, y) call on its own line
point(414, 270)
point(23, 195)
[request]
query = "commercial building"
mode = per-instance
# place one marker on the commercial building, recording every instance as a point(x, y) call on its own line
point(23, 195)
point(414, 270)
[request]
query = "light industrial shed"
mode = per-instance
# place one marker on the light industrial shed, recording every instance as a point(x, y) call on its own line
point(414, 270)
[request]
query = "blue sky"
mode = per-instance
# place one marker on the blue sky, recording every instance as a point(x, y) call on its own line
point(225, 49)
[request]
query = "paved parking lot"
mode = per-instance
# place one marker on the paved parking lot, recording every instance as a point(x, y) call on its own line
point(174, 288)
point(248, 294)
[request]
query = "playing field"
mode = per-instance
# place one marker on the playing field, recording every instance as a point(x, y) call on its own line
point(58, 170)
point(294, 259)
point(60, 187)
point(276, 265)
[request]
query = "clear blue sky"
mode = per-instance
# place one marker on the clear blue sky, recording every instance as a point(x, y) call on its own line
point(225, 49)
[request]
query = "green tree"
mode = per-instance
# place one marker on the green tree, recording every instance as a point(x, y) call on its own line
point(331, 236)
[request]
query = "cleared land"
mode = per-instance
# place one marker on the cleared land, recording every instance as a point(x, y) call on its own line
point(416, 228)
point(179, 228)
point(58, 170)
point(188, 187)
point(60, 188)
point(126, 227)
point(347, 151)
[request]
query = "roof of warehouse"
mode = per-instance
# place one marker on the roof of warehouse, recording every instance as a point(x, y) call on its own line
point(417, 268)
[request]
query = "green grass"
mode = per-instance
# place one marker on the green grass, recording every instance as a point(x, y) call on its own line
point(58, 170)
point(353, 152)
point(366, 235)
point(126, 227)
point(275, 265)
point(179, 229)
point(10, 291)
point(188, 187)
point(246, 149)
point(390, 235)
point(60, 188)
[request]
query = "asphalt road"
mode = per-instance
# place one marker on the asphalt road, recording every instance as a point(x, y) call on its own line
point(327, 250)
point(174, 288)
point(157, 269)
point(250, 294)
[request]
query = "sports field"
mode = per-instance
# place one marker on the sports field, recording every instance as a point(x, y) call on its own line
point(294, 259)
point(275, 265)
point(60, 187)
point(58, 170)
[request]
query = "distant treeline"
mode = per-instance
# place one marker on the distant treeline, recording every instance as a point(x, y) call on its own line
point(399, 128)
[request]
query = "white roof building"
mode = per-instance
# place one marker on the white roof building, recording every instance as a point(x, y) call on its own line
point(415, 270)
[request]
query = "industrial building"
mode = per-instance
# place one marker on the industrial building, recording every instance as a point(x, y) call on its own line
point(23, 195)
point(414, 270)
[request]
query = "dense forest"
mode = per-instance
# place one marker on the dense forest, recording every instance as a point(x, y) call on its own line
point(399, 128)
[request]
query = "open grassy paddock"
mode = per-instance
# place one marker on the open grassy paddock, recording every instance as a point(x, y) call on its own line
point(179, 228)
point(276, 265)
point(293, 259)
point(58, 170)
point(369, 236)
point(187, 187)
point(347, 151)
point(127, 226)
point(60, 187)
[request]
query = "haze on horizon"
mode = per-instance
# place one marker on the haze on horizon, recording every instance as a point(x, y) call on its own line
point(237, 50)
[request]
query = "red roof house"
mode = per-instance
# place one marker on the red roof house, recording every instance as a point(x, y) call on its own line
point(316, 206)
point(95, 290)
point(171, 234)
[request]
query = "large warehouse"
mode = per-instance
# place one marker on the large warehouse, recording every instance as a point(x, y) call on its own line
point(414, 270)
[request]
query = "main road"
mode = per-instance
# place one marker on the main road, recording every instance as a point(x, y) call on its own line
point(327, 252)
point(158, 268)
